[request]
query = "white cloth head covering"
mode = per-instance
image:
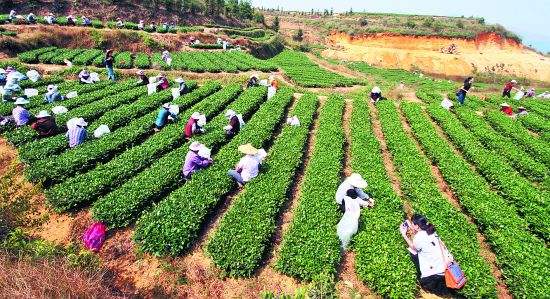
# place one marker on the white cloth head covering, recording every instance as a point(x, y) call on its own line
point(521, 108)
point(195, 146)
point(376, 89)
point(166, 106)
point(357, 181)
point(248, 149)
point(179, 80)
point(42, 113)
point(230, 113)
point(80, 122)
point(504, 105)
point(52, 88)
point(21, 101)
point(514, 81)
point(196, 115)
point(205, 152)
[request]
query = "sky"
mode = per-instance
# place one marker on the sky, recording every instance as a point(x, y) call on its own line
point(530, 19)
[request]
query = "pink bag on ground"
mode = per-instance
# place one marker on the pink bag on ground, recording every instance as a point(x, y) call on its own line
point(94, 236)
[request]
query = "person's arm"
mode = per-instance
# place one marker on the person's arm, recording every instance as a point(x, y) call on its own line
point(403, 229)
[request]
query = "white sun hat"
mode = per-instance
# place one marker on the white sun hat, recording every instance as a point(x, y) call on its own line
point(52, 87)
point(248, 149)
point(42, 113)
point(376, 89)
point(504, 105)
point(357, 181)
point(80, 122)
point(21, 101)
point(195, 146)
point(179, 80)
point(196, 115)
point(514, 81)
point(230, 113)
point(166, 106)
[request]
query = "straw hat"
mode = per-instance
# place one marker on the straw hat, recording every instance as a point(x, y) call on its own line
point(230, 113)
point(42, 113)
point(357, 181)
point(21, 101)
point(504, 105)
point(195, 146)
point(166, 106)
point(196, 115)
point(248, 149)
point(81, 123)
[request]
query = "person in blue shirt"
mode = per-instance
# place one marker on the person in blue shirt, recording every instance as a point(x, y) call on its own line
point(162, 117)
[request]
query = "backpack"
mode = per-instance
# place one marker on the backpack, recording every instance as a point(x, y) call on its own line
point(94, 236)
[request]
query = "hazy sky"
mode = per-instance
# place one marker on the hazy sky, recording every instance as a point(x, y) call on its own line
point(528, 18)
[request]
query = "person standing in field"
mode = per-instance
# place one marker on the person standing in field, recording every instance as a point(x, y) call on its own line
point(109, 61)
point(461, 93)
point(506, 92)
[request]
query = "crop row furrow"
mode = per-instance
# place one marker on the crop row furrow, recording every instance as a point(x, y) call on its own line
point(420, 187)
point(523, 258)
point(311, 246)
point(122, 206)
point(173, 224)
point(245, 230)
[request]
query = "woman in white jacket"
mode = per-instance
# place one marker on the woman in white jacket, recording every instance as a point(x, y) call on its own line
point(348, 225)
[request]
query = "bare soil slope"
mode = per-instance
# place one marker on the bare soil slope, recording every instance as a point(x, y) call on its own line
point(486, 53)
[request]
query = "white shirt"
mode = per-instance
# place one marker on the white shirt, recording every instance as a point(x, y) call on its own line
point(344, 187)
point(249, 167)
point(430, 257)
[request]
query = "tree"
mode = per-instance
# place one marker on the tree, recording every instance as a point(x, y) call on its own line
point(259, 18)
point(298, 35)
point(275, 25)
point(245, 10)
point(232, 8)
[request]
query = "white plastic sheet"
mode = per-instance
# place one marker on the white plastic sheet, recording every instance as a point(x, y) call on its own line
point(94, 77)
point(175, 93)
point(293, 121)
point(205, 152)
point(72, 94)
point(101, 130)
point(447, 104)
point(30, 92)
point(519, 95)
point(271, 92)
point(264, 82)
point(33, 75)
point(59, 110)
point(151, 88)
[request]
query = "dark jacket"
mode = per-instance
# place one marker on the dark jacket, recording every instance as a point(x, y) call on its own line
point(45, 126)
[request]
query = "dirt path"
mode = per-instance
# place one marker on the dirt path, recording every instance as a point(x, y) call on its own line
point(348, 281)
point(485, 250)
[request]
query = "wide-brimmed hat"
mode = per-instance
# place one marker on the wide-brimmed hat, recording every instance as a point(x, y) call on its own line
point(140, 72)
point(179, 80)
point(195, 146)
point(230, 113)
point(514, 81)
point(504, 105)
point(81, 123)
point(21, 101)
point(357, 181)
point(166, 105)
point(42, 113)
point(248, 149)
point(195, 115)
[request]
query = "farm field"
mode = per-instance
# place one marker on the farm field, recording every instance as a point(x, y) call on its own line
point(480, 177)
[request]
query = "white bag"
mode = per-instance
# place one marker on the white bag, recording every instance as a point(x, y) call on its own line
point(519, 95)
point(202, 120)
point(169, 61)
point(205, 152)
point(30, 92)
point(175, 93)
point(101, 130)
point(446, 104)
point(71, 123)
point(261, 155)
point(264, 82)
point(33, 75)
point(72, 94)
point(151, 88)
point(59, 110)
point(94, 77)
point(241, 120)
point(271, 92)
point(293, 121)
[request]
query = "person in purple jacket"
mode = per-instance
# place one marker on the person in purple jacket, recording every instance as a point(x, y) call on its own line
point(194, 161)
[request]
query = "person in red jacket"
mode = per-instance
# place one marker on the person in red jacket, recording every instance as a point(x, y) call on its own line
point(194, 125)
point(506, 92)
point(504, 107)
